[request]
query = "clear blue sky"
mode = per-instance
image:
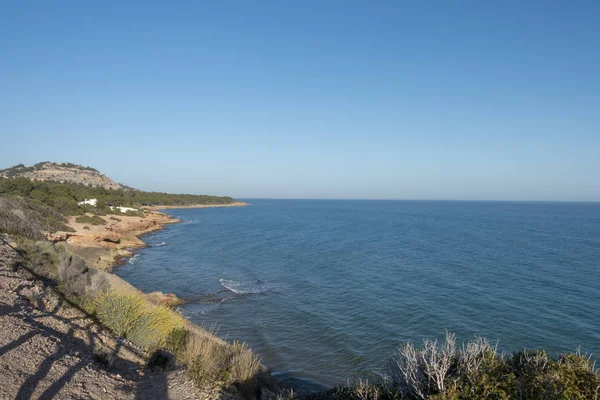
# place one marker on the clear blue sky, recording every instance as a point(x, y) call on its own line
point(310, 99)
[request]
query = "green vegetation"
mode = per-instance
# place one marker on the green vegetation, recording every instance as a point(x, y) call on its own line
point(21, 168)
point(28, 218)
point(71, 165)
point(129, 315)
point(93, 220)
point(63, 197)
point(476, 371)
point(42, 256)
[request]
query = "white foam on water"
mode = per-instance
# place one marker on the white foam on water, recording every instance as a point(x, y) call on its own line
point(252, 287)
point(160, 244)
point(134, 260)
point(200, 309)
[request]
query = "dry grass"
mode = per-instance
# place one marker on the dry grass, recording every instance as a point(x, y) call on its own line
point(212, 361)
point(244, 363)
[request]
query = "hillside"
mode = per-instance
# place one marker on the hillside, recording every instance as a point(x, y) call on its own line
point(63, 187)
point(61, 172)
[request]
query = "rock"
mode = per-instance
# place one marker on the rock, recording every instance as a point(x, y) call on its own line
point(57, 237)
point(169, 300)
point(110, 238)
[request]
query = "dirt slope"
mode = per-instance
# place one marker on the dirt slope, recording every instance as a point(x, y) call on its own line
point(49, 349)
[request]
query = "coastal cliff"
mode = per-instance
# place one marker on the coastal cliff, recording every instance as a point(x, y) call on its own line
point(69, 328)
point(56, 270)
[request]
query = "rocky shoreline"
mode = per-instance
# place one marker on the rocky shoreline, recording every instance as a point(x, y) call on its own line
point(49, 347)
point(106, 246)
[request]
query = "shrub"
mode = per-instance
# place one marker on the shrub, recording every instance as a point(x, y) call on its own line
point(206, 359)
point(29, 218)
point(154, 325)
point(41, 256)
point(128, 315)
point(177, 340)
point(211, 360)
point(162, 359)
point(131, 213)
point(419, 372)
point(119, 311)
point(477, 371)
point(244, 363)
point(93, 220)
point(106, 358)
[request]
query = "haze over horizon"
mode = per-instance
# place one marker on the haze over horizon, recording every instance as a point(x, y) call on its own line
point(337, 99)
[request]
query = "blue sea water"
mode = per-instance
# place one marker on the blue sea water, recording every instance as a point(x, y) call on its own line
point(326, 290)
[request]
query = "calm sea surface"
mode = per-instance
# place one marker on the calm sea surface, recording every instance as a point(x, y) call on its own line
point(325, 290)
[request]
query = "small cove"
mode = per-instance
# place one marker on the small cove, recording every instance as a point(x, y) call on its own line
point(325, 290)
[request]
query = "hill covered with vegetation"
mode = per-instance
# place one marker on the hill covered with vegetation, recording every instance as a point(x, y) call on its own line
point(63, 195)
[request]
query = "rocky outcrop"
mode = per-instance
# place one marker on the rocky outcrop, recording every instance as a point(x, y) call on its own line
point(169, 300)
point(109, 238)
point(57, 237)
point(62, 172)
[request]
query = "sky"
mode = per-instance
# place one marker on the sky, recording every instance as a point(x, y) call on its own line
point(461, 100)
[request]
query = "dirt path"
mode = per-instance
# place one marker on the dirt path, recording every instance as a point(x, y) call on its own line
point(50, 349)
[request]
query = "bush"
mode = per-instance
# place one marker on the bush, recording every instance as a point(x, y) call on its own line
point(477, 371)
point(128, 315)
point(29, 218)
point(211, 360)
point(177, 340)
point(41, 256)
point(138, 213)
point(93, 220)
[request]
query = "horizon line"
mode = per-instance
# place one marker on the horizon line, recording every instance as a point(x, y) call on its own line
point(428, 200)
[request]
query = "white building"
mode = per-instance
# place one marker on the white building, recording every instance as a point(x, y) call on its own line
point(123, 209)
point(91, 202)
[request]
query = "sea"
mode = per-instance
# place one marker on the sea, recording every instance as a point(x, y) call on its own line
point(325, 290)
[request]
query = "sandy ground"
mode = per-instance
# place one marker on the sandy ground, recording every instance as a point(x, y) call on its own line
point(103, 246)
point(51, 349)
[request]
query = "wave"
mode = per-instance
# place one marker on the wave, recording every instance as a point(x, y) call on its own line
point(200, 309)
point(252, 287)
point(160, 244)
point(134, 260)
